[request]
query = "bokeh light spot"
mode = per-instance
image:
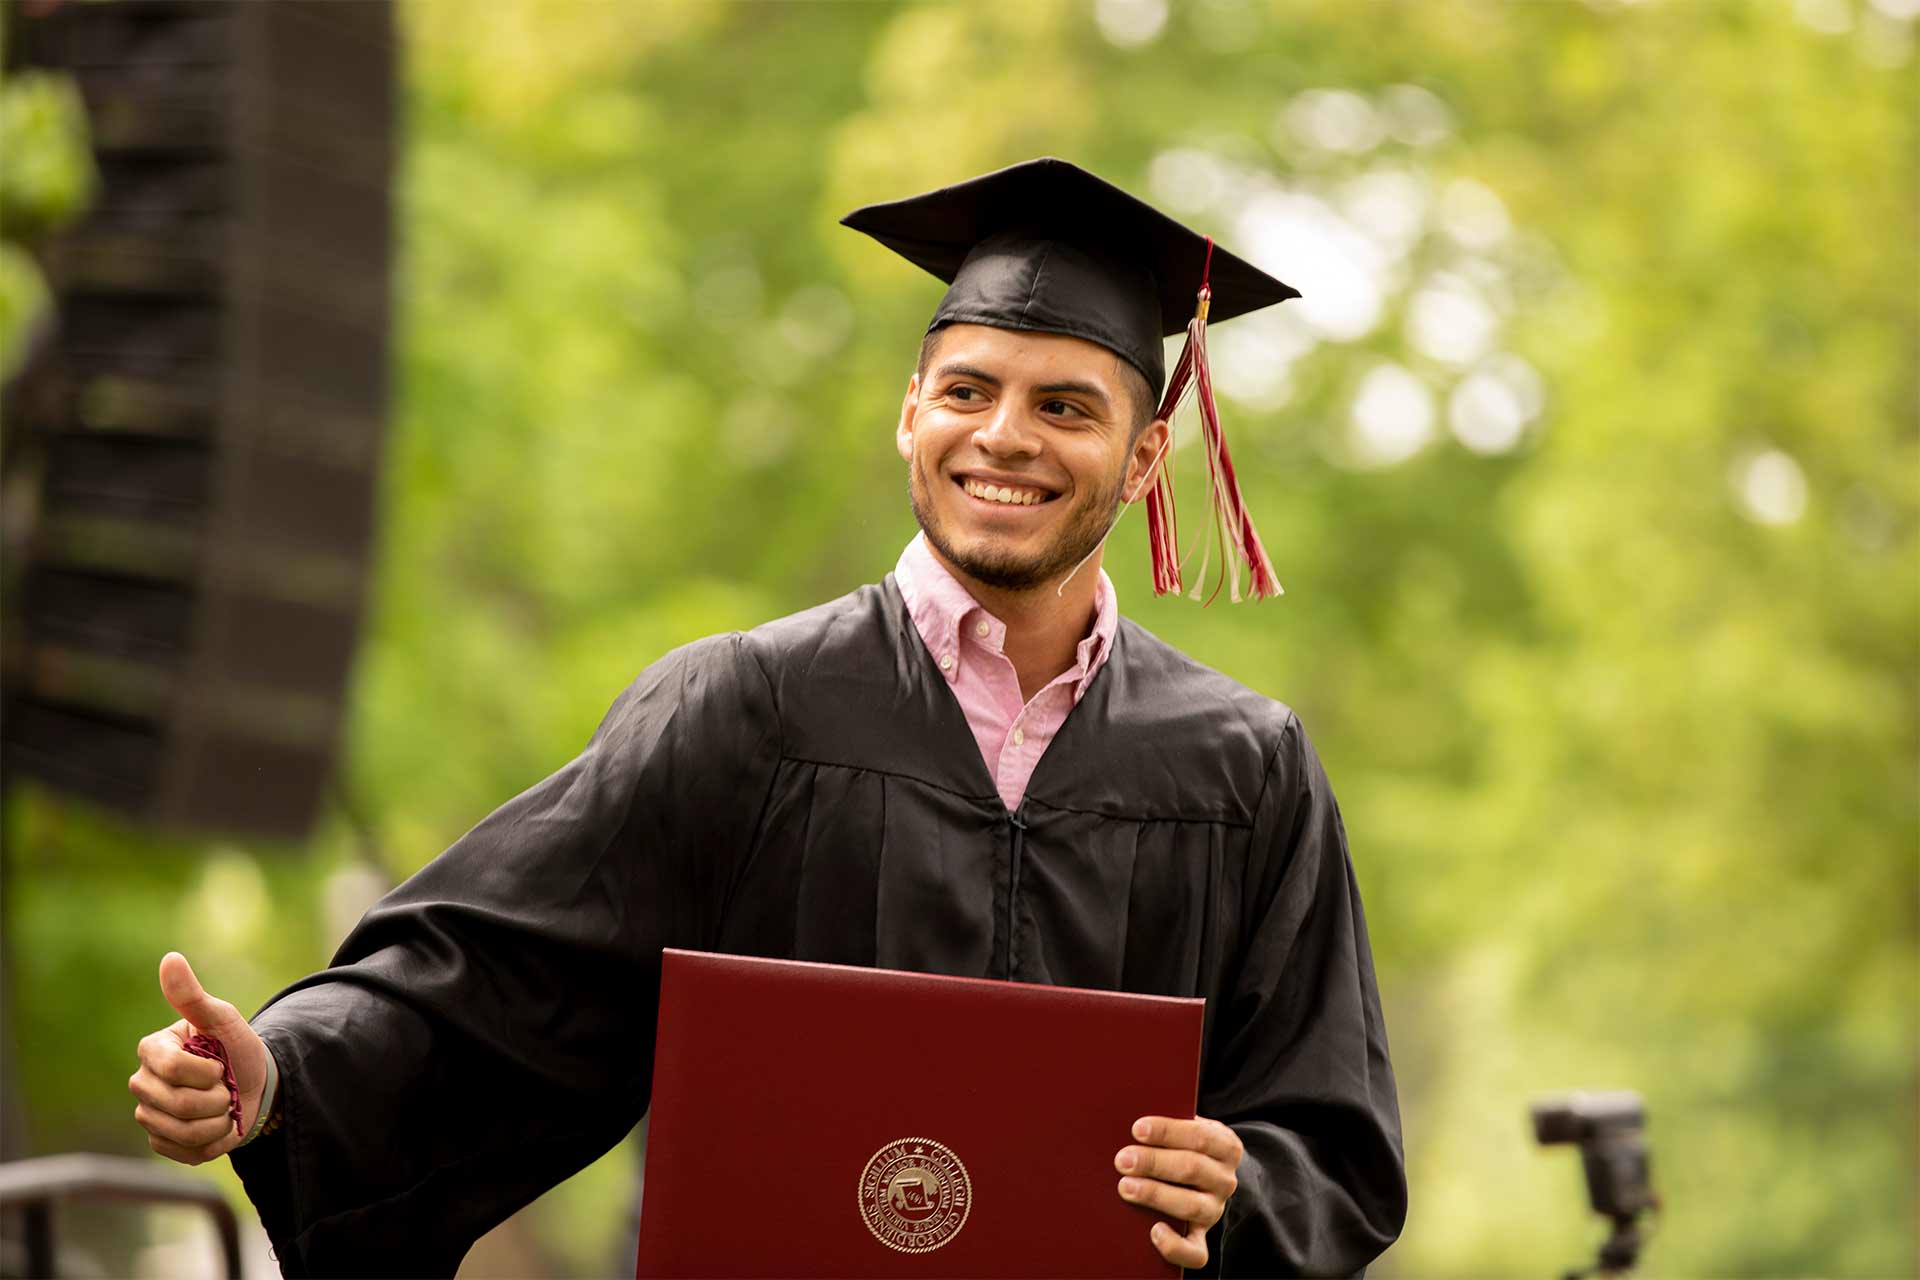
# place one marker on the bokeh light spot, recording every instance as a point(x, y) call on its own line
point(1188, 180)
point(1392, 416)
point(1771, 487)
point(229, 906)
point(345, 896)
point(1829, 17)
point(1388, 204)
point(1337, 120)
point(1449, 322)
point(1416, 116)
point(1338, 269)
point(1473, 214)
point(1522, 379)
point(1253, 358)
point(1130, 24)
point(1486, 414)
point(1884, 41)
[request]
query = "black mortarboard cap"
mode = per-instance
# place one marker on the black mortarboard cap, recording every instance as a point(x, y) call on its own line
point(1047, 247)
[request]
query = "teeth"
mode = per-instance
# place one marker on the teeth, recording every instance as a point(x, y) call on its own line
point(1001, 493)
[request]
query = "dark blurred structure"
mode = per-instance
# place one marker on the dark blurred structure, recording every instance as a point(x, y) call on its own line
point(1610, 1130)
point(36, 1188)
point(195, 436)
point(191, 448)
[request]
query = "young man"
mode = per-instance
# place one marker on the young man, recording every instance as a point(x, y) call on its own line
point(973, 767)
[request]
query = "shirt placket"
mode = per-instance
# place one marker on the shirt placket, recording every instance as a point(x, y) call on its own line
point(1032, 730)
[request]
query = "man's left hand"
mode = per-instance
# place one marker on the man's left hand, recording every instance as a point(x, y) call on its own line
point(1184, 1169)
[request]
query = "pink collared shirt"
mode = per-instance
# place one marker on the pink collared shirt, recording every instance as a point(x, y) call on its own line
point(967, 644)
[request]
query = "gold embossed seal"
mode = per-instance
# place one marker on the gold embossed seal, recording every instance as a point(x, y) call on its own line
point(915, 1195)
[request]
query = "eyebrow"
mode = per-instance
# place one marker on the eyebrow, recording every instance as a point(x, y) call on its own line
point(1088, 389)
point(961, 369)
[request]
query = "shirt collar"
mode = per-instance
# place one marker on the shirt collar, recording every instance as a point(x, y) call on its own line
point(941, 609)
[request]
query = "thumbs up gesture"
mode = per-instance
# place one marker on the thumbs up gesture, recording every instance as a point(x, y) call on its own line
point(184, 1105)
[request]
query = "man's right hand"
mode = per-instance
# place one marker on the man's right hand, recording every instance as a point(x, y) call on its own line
point(183, 1101)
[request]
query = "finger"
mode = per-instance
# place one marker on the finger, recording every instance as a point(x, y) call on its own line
point(161, 1054)
point(1198, 1134)
point(1183, 1203)
point(187, 1133)
point(174, 1151)
point(191, 1001)
point(1189, 1251)
point(1190, 1168)
point(187, 1104)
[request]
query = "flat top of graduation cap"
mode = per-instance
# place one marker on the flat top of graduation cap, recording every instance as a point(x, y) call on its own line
point(1047, 247)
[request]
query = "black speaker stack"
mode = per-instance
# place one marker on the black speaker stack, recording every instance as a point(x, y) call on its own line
point(199, 422)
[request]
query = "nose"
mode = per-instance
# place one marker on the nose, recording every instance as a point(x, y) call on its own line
point(1007, 434)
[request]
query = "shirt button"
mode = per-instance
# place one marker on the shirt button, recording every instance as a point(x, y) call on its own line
point(981, 629)
point(946, 662)
point(1019, 736)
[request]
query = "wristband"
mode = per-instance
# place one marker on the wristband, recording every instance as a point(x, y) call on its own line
point(268, 1120)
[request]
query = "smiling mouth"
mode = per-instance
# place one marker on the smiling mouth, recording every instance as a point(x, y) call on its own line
point(1006, 495)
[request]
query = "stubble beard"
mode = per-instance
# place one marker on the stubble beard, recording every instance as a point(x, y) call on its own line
point(1008, 570)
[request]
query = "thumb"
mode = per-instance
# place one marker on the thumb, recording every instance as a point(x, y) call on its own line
point(191, 1001)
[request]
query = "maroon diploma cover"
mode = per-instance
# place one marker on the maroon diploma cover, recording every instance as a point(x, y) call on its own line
point(824, 1120)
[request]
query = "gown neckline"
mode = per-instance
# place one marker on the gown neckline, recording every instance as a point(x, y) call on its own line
point(952, 719)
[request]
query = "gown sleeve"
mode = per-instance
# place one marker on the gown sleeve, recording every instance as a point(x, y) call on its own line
point(486, 1030)
point(1298, 1061)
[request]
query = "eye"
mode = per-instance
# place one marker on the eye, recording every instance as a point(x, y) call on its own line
point(964, 393)
point(1060, 408)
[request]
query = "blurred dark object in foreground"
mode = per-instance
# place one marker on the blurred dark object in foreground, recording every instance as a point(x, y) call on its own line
point(196, 432)
point(33, 1189)
point(1610, 1129)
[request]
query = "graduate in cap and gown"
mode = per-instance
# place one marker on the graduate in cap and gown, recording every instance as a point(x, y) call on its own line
point(975, 766)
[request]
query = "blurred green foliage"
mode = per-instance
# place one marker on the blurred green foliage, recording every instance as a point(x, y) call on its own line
point(1617, 673)
point(46, 178)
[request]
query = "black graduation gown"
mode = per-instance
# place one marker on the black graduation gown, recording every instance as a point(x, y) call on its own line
point(811, 790)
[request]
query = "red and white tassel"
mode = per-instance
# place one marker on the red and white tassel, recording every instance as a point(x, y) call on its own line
point(1229, 526)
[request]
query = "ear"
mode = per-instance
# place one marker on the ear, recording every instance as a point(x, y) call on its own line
point(1146, 459)
point(909, 406)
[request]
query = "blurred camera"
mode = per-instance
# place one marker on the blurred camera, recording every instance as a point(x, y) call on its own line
point(1575, 1117)
point(1610, 1130)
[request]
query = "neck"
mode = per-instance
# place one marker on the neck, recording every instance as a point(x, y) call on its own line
point(1045, 624)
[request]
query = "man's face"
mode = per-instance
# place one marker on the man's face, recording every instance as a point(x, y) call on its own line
point(1019, 450)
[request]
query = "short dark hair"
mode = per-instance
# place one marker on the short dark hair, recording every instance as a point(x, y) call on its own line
point(1139, 393)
